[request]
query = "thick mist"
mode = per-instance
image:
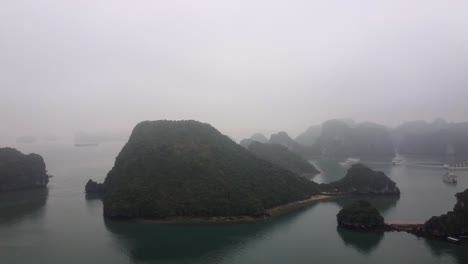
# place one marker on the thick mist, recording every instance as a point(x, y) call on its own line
point(243, 66)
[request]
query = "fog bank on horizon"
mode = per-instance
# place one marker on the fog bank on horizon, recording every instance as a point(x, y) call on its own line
point(242, 66)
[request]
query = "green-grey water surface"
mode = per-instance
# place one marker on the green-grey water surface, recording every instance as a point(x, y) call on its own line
point(59, 225)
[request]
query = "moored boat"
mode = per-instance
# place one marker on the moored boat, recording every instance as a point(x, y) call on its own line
point(456, 166)
point(349, 162)
point(398, 161)
point(450, 177)
point(453, 240)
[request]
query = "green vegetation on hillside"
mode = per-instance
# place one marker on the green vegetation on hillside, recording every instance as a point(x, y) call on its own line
point(283, 157)
point(187, 168)
point(362, 180)
point(360, 215)
point(452, 223)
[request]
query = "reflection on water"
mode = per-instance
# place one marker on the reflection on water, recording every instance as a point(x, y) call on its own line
point(14, 206)
point(331, 170)
point(449, 251)
point(365, 242)
point(62, 225)
point(188, 243)
point(382, 203)
point(93, 196)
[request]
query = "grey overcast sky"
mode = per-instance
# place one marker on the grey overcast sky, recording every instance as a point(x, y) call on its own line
point(243, 66)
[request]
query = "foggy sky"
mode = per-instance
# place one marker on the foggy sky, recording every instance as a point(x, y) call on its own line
point(243, 66)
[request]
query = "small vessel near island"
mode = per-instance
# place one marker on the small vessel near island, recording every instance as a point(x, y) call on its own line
point(86, 144)
point(450, 177)
point(398, 161)
point(349, 162)
point(453, 240)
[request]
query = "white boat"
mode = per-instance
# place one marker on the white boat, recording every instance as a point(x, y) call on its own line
point(456, 166)
point(398, 161)
point(453, 240)
point(349, 162)
point(450, 177)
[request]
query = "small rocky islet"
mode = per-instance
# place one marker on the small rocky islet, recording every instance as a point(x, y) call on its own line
point(361, 180)
point(19, 171)
point(360, 215)
point(451, 226)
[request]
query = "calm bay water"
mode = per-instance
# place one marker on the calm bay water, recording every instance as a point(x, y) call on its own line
point(59, 225)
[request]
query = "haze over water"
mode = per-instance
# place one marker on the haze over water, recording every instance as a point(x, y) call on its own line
point(242, 66)
point(61, 226)
point(245, 66)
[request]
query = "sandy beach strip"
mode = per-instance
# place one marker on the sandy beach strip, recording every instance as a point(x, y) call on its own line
point(270, 213)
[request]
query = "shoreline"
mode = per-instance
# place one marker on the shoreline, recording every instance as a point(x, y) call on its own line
point(269, 214)
point(412, 229)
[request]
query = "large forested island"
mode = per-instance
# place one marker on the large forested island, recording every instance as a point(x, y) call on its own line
point(283, 157)
point(19, 171)
point(189, 169)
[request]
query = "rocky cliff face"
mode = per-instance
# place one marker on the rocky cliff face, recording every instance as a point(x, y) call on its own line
point(450, 140)
point(93, 187)
point(453, 222)
point(257, 137)
point(282, 138)
point(309, 137)
point(362, 180)
point(339, 139)
point(19, 171)
point(462, 202)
